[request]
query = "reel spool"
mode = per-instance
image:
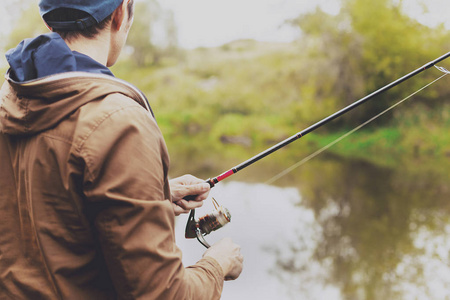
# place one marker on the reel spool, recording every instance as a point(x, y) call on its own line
point(206, 224)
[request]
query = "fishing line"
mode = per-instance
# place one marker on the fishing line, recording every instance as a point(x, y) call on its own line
point(311, 156)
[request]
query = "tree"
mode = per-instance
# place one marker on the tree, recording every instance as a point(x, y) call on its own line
point(171, 34)
point(148, 19)
point(366, 46)
point(139, 38)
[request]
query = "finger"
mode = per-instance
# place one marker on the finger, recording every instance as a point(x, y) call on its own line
point(179, 210)
point(197, 192)
point(189, 204)
point(191, 179)
point(198, 189)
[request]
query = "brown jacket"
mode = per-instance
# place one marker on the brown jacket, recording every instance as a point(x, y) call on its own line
point(84, 198)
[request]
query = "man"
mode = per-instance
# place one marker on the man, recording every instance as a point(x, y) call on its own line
point(87, 210)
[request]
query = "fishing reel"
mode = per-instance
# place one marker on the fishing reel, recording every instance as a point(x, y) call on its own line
point(206, 224)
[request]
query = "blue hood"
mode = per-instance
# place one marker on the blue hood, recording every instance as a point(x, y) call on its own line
point(47, 55)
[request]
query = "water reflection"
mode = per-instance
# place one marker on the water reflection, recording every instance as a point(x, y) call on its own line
point(355, 231)
point(371, 218)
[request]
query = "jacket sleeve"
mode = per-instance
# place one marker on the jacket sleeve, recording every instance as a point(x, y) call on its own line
point(127, 193)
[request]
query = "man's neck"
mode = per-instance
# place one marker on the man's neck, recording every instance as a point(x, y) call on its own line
point(97, 48)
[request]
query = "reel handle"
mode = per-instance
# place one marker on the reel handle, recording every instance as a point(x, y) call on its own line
point(192, 230)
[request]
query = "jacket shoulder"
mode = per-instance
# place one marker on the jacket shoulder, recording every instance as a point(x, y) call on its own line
point(112, 113)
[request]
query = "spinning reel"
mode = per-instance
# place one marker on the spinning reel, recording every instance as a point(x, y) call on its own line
point(206, 224)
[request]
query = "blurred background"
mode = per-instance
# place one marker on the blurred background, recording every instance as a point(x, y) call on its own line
point(366, 219)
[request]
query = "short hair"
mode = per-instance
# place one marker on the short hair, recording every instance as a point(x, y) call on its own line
point(70, 14)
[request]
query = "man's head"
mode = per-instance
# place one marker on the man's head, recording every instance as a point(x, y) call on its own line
point(74, 19)
point(94, 12)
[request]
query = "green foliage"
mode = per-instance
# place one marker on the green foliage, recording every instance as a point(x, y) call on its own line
point(140, 34)
point(247, 95)
point(366, 46)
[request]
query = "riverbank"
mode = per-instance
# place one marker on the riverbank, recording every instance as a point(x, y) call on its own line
point(237, 100)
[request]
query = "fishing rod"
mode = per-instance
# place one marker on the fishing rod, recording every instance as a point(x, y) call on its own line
point(199, 228)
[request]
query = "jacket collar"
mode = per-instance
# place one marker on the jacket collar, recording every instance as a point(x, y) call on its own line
point(36, 105)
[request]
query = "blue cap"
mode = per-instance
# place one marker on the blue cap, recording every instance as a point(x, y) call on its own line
point(98, 10)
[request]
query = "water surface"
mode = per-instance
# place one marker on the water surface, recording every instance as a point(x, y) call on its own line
point(337, 229)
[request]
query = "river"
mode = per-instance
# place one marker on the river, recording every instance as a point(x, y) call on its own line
point(336, 229)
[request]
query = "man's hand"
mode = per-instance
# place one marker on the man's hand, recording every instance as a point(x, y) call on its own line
point(188, 185)
point(229, 257)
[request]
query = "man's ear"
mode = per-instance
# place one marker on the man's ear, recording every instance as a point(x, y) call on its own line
point(118, 16)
